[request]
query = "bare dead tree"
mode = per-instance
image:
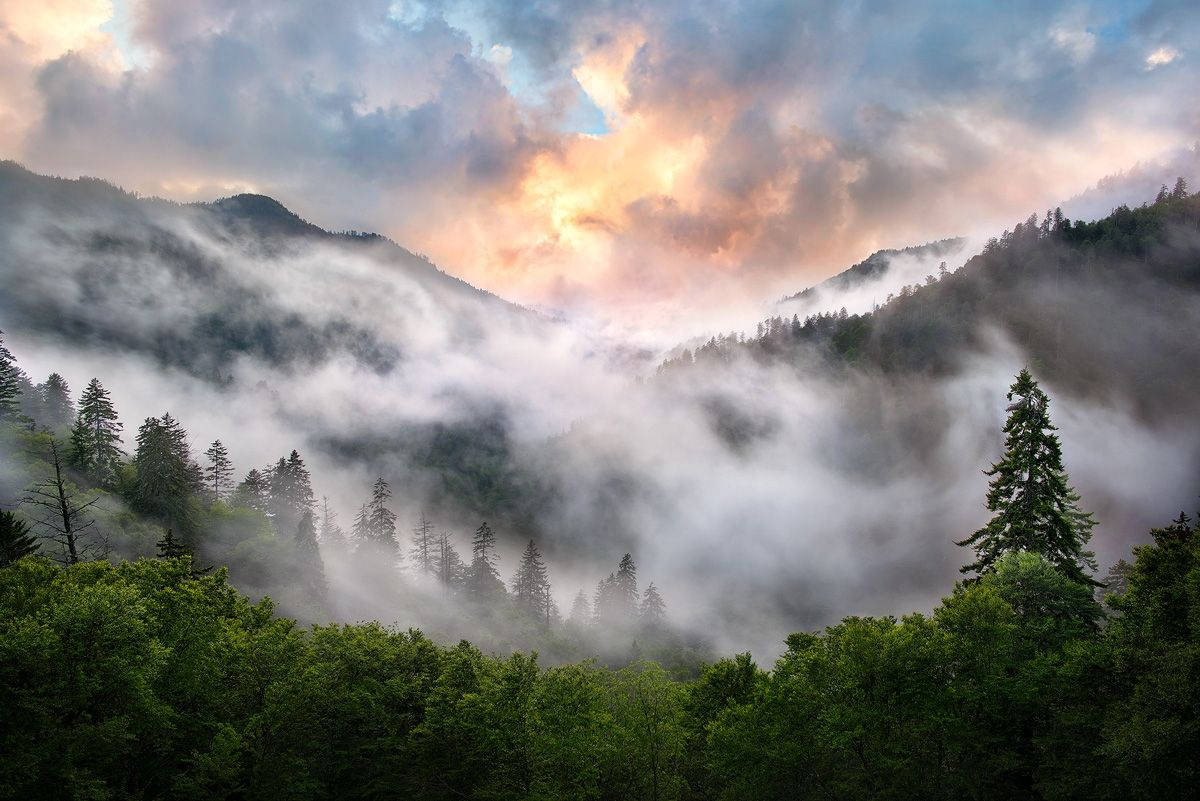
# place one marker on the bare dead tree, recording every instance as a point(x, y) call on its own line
point(60, 511)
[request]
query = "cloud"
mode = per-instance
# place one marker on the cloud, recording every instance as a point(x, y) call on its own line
point(1161, 56)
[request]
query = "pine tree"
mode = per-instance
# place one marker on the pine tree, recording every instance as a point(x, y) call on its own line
point(311, 567)
point(625, 589)
point(16, 540)
point(10, 390)
point(57, 408)
point(252, 493)
point(448, 565)
point(604, 605)
point(332, 536)
point(531, 585)
point(1034, 508)
point(166, 477)
point(424, 545)
point(96, 436)
point(291, 492)
point(483, 579)
point(654, 610)
point(219, 472)
point(361, 531)
point(381, 521)
point(581, 610)
point(170, 548)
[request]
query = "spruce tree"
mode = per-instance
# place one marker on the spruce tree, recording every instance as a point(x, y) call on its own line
point(311, 567)
point(448, 565)
point(252, 492)
point(219, 472)
point(531, 585)
point(625, 589)
point(291, 492)
point(10, 389)
point(170, 548)
point(96, 436)
point(16, 540)
point(581, 610)
point(1034, 507)
point(483, 579)
point(332, 536)
point(166, 477)
point(58, 410)
point(424, 546)
point(381, 521)
point(653, 610)
point(360, 532)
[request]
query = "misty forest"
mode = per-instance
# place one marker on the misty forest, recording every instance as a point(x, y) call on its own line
point(466, 399)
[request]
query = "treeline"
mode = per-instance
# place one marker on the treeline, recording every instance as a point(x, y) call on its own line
point(145, 680)
point(1055, 287)
point(68, 478)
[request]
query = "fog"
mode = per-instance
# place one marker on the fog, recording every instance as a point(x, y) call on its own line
point(845, 497)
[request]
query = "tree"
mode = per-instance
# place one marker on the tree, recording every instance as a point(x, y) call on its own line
point(311, 568)
point(290, 492)
point(581, 609)
point(166, 477)
point(1181, 190)
point(625, 591)
point(57, 408)
point(219, 472)
point(531, 585)
point(1034, 508)
point(332, 536)
point(424, 546)
point(483, 579)
point(170, 548)
point(96, 435)
point(252, 493)
point(653, 610)
point(448, 565)
point(62, 512)
point(10, 389)
point(16, 540)
point(381, 521)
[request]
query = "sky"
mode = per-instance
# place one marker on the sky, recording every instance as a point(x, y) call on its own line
point(618, 158)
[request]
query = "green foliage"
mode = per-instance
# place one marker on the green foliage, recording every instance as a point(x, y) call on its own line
point(16, 540)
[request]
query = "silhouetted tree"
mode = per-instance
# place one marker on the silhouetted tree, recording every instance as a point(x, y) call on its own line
point(10, 390)
point(218, 474)
point(57, 408)
point(96, 436)
point(62, 513)
point(531, 585)
point(1034, 507)
point(448, 565)
point(166, 477)
point(483, 579)
point(16, 540)
point(290, 491)
point(653, 611)
point(424, 546)
point(253, 492)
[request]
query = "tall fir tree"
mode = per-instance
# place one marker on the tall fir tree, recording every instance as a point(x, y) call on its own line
point(483, 581)
point(311, 568)
point(10, 389)
point(165, 476)
point(381, 521)
point(291, 492)
point(424, 546)
point(96, 436)
point(531, 585)
point(604, 604)
point(331, 534)
point(360, 532)
point(653, 610)
point(58, 410)
point(581, 610)
point(1034, 507)
point(253, 492)
point(625, 589)
point(448, 565)
point(218, 473)
point(16, 540)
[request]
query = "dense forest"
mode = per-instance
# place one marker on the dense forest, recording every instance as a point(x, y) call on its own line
point(66, 475)
point(154, 678)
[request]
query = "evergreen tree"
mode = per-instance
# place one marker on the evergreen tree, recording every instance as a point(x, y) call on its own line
point(654, 610)
point(361, 530)
point(166, 476)
point(29, 401)
point(96, 436)
point(10, 390)
point(531, 585)
point(311, 567)
point(448, 565)
point(424, 546)
point(581, 609)
point(1034, 508)
point(219, 472)
point(332, 536)
point(625, 589)
point(16, 540)
point(381, 521)
point(291, 492)
point(483, 579)
point(57, 408)
point(252, 493)
point(170, 548)
point(604, 604)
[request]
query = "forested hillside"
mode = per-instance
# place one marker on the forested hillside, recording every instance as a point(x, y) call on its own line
point(153, 679)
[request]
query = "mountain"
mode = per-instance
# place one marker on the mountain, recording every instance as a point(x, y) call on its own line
point(195, 286)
